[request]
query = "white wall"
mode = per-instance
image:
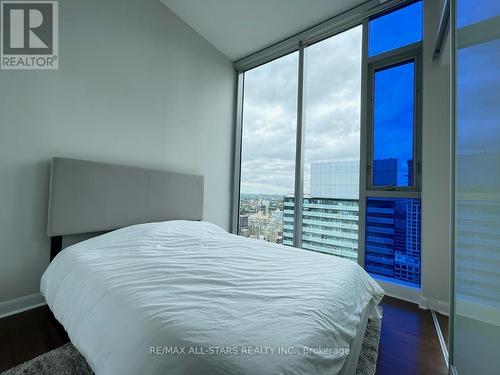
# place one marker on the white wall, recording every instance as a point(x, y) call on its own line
point(135, 86)
point(435, 168)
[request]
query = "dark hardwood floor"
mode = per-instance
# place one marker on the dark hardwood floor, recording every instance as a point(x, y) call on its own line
point(28, 334)
point(408, 343)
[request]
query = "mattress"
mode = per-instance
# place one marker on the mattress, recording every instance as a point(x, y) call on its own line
point(351, 363)
point(183, 297)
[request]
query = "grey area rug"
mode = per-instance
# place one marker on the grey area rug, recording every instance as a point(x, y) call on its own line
point(66, 360)
point(367, 364)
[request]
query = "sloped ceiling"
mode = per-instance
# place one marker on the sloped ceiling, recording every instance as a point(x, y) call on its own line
point(238, 28)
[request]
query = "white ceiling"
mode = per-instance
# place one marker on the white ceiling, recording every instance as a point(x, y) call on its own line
point(238, 28)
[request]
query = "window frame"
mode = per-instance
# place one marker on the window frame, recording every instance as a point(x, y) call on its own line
point(412, 52)
point(237, 150)
point(398, 6)
point(367, 190)
point(359, 15)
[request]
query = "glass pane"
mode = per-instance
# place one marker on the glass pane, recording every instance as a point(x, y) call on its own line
point(393, 123)
point(268, 148)
point(332, 145)
point(396, 29)
point(472, 11)
point(393, 239)
point(476, 324)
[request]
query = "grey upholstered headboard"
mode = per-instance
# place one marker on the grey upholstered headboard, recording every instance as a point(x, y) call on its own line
point(88, 197)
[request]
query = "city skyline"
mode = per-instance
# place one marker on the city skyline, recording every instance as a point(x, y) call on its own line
point(331, 220)
point(331, 149)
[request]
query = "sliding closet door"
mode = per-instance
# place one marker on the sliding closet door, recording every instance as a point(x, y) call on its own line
point(476, 321)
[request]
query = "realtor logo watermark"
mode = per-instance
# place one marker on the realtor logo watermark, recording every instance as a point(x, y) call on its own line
point(30, 35)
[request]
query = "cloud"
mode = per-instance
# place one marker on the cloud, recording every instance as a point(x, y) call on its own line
point(332, 113)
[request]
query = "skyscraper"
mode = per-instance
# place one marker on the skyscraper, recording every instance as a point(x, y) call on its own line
point(331, 213)
point(393, 238)
point(385, 172)
point(338, 179)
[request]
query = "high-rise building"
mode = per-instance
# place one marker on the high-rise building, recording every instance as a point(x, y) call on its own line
point(392, 246)
point(243, 221)
point(331, 225)
point(385, 172)
point(328, 226)
point(338, 180)
point(331, 213)
point(410, 172)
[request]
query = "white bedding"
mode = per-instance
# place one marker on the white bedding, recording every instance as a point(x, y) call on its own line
point(132, 300)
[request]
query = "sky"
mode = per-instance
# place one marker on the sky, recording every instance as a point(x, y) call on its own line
point(393, 122)
point(396, 29)
point(332, 112)
point(332, 106)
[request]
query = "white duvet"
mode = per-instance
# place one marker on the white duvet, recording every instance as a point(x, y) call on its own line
point(186, 298)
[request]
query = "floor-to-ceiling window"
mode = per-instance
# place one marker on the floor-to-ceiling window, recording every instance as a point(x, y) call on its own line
point(392, 188)
point(268, 148)
point(331, 126)
point(303, 134)
point(332, 102)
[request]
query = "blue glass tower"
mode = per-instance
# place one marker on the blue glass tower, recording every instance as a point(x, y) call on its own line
point(393, 238)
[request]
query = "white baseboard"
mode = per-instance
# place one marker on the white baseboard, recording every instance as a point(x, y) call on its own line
point(399, 291)
point(414, 295)
point(439, 306)
point(21, 304)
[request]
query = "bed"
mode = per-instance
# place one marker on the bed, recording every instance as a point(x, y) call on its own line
point(186, 297)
